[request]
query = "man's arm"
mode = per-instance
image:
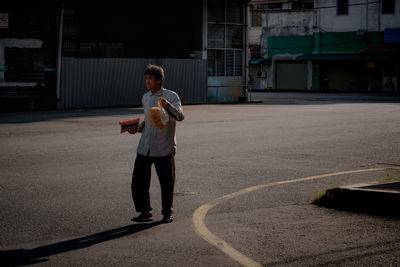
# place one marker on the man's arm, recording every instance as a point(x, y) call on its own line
point(174, 109)
point(141, 126)
point(137, 129)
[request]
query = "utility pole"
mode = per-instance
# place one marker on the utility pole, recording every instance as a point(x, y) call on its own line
point(59, 56)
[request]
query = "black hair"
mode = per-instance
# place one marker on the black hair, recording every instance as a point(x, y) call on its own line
point(156, 71)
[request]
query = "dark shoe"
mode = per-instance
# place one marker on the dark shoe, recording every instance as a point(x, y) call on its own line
point(167, 219)
point(143, 217)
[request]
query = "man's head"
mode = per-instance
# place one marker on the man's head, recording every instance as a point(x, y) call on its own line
point(154, 76)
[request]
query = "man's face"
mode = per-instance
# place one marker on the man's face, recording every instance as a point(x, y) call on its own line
point(151, 82)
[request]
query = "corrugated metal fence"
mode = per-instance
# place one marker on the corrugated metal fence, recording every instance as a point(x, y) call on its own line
point(105, 82)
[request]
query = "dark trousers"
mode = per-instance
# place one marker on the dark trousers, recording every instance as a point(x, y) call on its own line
point(165, 167)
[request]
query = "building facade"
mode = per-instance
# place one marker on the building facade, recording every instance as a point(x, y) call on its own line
point(69, 54)
point(332, 45)
point(226, 50)
point(106, 46)
point(28, 51)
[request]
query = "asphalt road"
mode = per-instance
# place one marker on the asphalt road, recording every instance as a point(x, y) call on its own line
point(65, 184)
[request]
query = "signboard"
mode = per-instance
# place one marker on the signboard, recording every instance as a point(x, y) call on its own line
point(392, 36)
point(3, 20)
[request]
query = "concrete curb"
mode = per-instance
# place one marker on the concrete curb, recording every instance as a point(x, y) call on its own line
point(381, 199)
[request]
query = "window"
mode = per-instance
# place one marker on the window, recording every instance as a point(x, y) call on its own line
point(216, 36)
point(342, 7)
point(302, 5)
point(234, 36)
point(275, 6)
point(225, 62)
point(387, 6)
point(225, 37)
point(256, 16)
point(25, 64)
point(234, 12)
point(216, 11)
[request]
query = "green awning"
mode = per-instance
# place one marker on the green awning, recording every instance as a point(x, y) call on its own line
point(349, 57)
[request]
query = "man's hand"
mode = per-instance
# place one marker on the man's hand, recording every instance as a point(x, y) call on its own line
point(163, 102)
point(133, 130)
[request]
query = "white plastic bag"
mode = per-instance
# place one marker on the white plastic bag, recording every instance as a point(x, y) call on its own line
point(164, 116)
point(158, 116)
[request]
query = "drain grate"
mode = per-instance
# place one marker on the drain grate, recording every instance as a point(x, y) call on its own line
point(185, 193)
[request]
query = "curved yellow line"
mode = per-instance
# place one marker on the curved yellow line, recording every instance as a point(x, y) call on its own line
point(200, 214)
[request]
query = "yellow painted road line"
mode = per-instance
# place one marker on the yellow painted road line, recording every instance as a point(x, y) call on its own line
point(200, 214)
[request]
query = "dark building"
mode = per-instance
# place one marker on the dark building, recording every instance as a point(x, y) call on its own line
point(28, 53)
point(79, 54)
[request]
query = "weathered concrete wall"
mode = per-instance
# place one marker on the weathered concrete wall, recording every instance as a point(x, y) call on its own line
point(286, 24)
point(360, 17)
point(329, 20)
point(289, 23)
point(391, 20)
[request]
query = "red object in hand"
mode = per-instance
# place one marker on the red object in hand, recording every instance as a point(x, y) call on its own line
point(126, 125)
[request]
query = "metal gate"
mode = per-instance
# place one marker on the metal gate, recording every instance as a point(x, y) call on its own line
point(291, 76)
point(106, 82)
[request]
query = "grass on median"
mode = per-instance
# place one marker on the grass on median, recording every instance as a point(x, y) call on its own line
point(390, 177)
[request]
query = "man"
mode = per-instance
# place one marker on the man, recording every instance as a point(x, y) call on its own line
point(156, 146)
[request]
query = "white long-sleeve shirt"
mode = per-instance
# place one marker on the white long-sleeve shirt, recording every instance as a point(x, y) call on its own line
point(155, 142)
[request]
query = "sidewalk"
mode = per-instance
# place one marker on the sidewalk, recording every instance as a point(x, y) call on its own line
point(381, 199)
point(319, 97)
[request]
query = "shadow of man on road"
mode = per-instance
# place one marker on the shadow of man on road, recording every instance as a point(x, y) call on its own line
point(19, 257)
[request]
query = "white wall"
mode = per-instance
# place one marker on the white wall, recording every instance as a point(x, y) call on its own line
point(364, 16)
point(286, 24)
point(254, 35)
point(289, 23)
point(391, 20)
